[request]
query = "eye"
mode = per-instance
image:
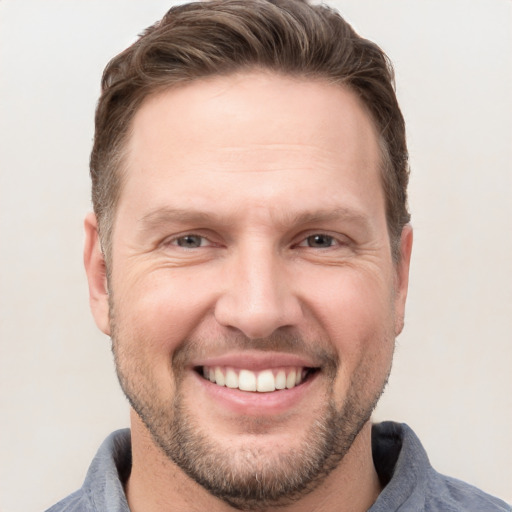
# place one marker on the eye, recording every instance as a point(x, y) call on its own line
point(318, 241)
point(190, 241)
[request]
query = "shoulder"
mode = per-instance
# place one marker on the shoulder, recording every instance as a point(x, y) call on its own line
point(410, 483)
point(451, 495)
point(102, 489)
point(75, 502)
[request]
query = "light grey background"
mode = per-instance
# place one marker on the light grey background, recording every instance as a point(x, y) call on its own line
point(452, 382)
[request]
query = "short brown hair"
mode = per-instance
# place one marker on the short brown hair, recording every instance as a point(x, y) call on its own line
point(219, 37)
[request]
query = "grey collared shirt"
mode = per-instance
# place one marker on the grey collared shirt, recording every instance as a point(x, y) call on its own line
point(410, 483)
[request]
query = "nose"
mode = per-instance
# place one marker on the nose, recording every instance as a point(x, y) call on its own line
point(258, 294)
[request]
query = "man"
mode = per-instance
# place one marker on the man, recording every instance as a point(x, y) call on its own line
point(249, 256)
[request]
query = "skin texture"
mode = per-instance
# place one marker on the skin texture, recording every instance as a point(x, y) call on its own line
point(254, 166)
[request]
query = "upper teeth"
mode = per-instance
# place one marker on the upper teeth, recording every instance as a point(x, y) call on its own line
point(247, 380)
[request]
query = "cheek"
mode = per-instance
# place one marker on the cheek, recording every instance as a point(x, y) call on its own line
point(162, 309)
point(353, 304)
point(357, 313)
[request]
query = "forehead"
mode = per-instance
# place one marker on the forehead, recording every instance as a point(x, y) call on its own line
point(255, 131)
point(253, 108)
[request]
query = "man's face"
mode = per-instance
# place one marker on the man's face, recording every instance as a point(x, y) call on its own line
point(250, 251)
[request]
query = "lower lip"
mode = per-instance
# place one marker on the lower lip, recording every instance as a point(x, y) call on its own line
point(253, 403)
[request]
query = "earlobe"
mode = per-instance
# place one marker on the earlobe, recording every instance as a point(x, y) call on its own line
point(96, 270)
point(402, 277)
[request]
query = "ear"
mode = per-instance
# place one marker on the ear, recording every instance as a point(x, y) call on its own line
point(96, 270)
point(402, 277)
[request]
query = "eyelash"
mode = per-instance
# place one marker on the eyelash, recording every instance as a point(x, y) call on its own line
point(304, 242)
point(175, 241)
point(329, 238)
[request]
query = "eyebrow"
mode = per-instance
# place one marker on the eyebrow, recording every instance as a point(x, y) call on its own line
point(330, 214)
point(164, 216)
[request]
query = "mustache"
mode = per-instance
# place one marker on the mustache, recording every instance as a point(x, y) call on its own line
point(201, 346)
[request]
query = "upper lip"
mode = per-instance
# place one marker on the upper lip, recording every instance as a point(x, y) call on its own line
point(256, 361)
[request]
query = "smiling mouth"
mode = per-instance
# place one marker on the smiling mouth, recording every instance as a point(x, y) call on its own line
point(265, 381)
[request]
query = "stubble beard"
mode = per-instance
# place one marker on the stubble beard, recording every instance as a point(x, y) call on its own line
point(256, 479)
point(250, 478)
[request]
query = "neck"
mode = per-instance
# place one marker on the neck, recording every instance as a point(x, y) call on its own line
point(157, 484)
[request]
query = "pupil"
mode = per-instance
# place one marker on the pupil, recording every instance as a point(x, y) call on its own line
point(189, 241)
point(320, 241)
